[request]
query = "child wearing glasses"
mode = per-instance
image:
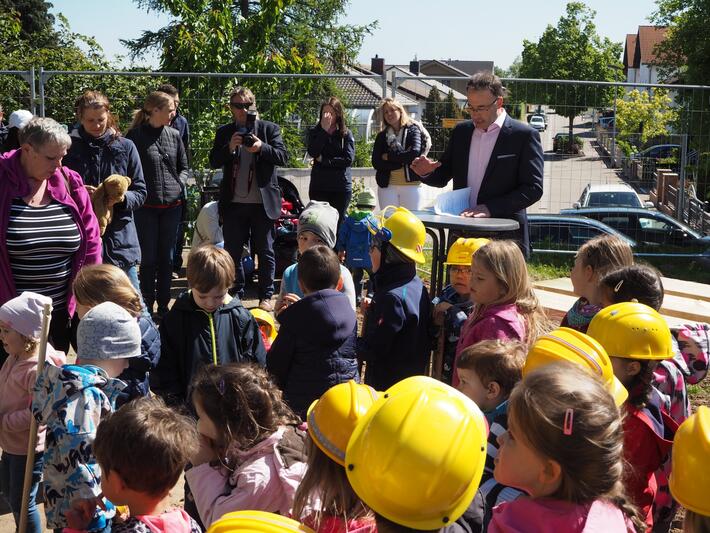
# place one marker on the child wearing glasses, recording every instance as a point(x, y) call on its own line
point(453, 305)
point(395, 341)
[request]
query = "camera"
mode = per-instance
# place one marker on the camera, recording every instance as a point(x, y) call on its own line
point(248, 137)
point(248, 140)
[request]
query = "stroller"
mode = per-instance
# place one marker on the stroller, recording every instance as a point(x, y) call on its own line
point(286, 242)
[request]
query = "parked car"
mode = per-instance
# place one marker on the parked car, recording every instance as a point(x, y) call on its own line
point(609, 195)
point(658, 151)
point(538, 122)
point(565, 233)
point(652, 230)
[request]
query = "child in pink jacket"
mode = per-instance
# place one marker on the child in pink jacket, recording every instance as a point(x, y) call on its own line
point(252, 453)
point(505, 306)
point(20, 329)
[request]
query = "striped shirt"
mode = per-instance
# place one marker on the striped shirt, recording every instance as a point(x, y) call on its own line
point(41, 243)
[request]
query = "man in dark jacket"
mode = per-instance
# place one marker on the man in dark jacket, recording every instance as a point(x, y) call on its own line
point(250, 199)
point(499, 158)
point(315, 347)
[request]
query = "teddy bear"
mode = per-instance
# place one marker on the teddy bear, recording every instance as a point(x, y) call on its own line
point(111, 191)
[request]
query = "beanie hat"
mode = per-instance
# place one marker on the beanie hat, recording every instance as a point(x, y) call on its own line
point(321, 219)
point(108, 331)
point(18, 119)
point(365, 199)
point(24, 313)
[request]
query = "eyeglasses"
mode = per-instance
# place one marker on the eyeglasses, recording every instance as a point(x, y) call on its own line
point(460, 270)
point(480, 108)
point(239, 105)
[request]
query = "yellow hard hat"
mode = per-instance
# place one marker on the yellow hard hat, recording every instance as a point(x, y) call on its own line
point(689, 482)
point(257, 522)
point(566, 344)
point(417, 455)
point(264, 317)
point(332, 418)
point(633, 331)
point(403, 230)
point(462, 250)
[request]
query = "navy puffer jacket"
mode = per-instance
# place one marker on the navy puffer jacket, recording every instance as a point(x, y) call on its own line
point(139, 368)
point(333, 171)
point(95, 159)
point(315, 348)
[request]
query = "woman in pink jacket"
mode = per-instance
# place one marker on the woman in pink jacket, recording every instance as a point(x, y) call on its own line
point(20, 327)
point(252, 452)
point(50, 227)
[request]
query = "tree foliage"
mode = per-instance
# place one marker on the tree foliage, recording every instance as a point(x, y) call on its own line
point(644, 115)
point(274, 36)
point(572, 50)
point(34, 17)
point(685, 52)
point(437, 109)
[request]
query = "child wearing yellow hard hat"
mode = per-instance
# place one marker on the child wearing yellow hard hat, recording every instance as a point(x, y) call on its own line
point(453, 305)
point(636, 338)
point(395, 337)
point(325, 500)
point(690, 482)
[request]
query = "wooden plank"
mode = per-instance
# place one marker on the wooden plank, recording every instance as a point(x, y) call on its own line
point(679, 287)
point(556, 306)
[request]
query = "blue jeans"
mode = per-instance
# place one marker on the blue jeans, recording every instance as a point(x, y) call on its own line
point(157, 231)
point(12, 476)
point(241, 221)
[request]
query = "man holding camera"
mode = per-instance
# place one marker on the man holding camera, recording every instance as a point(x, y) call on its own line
point(249, 150)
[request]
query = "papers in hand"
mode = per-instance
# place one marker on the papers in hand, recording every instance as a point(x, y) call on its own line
point(452, 202)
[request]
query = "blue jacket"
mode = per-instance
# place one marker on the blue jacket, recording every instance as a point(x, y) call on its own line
point(191, 338)
point(315, 348)
point(95, 159)
point(395, 340)
point(71, 400)
point(333, 172)
point(354, 238)
point(136, 375)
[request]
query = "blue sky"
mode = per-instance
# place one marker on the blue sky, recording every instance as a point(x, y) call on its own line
point(455, 29)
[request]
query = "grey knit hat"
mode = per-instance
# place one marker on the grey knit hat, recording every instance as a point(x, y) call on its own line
point(108, 331)
point(320, 218)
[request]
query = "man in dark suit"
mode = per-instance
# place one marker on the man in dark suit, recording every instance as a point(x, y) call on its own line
point(249, 198)
point(499, 158)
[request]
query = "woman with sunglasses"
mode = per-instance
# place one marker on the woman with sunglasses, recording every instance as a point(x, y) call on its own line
point(332, 147)
point(249, 150)
point(396, 146)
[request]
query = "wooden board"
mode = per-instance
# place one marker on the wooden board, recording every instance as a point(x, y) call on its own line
point(679, 287)
point(689, 307)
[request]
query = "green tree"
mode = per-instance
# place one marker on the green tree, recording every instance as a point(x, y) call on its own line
point(685, 52)
point(279, 36)
point(435, 111)
point(572, 50)
point(35, 19)
point(644, 114)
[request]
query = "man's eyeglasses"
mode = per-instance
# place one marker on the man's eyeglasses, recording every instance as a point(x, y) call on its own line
point(239, 105)
point(480, 108)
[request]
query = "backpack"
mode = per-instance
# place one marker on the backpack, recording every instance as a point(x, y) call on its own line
point(426, 138)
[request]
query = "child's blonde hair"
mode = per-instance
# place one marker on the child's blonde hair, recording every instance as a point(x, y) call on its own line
point(95, 284)
point(243, 402)
point(606, 253)
point(209, 267)
point(506, 262)
point(326, 483)
point(567, 415)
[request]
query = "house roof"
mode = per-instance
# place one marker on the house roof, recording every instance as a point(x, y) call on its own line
point(646, 40)
point(421, 88)
point(366, 92)
point(629, 50)
point(471, 67)
point(423, 63)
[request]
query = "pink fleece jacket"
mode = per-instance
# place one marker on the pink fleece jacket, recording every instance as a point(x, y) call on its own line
point(262, 482)
point(14, 183)
point(17, 378)
point(494, 322)
point(544, 515)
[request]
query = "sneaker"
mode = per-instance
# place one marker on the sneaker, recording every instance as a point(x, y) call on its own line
point(266, 305)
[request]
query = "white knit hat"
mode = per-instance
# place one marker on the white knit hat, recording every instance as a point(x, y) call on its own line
point(108, 331)
point(24, 313)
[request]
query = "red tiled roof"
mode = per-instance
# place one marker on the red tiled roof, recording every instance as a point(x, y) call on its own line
point(646, 41)
point(630, 50)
